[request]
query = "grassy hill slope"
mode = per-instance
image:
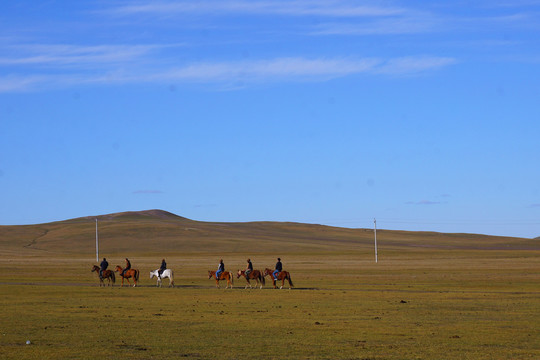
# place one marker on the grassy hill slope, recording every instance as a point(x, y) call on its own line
point(155, 231)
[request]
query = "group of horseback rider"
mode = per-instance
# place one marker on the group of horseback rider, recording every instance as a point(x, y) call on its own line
point(249, 268)
point(221, 268)
point(104, 264)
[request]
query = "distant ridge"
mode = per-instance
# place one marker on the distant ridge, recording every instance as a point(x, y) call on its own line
point(134, 215)
point(159, 231)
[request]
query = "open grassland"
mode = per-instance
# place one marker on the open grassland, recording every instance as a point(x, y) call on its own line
point(422, 305)
point(431, 296)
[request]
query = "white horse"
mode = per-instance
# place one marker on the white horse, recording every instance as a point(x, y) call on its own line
point(167, 273)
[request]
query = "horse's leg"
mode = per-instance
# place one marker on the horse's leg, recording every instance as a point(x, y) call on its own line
point(217, 283)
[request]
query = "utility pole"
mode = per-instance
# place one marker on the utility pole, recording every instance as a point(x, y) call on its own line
point(375, 232)
point(97, 244)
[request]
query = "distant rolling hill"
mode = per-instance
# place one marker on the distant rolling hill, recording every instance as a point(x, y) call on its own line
point(158, 231)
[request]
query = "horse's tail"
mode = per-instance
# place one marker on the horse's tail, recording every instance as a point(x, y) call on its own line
point(136, 275)
point(232, 277)
point(113, 277)
point(289, 278)
point(261, 278)
point(171, 276)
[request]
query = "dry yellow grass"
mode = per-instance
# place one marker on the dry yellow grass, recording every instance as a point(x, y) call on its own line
point(431, 296)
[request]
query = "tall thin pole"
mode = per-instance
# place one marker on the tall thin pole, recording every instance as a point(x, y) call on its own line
point(97, 244)
point(375, 232)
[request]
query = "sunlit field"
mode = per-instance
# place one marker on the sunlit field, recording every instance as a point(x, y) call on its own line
point(414, 304)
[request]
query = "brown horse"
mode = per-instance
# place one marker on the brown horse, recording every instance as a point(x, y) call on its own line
point(134, 273)
point(283, 275)
point(226, 275)
point(107, 274)
point(255, 274)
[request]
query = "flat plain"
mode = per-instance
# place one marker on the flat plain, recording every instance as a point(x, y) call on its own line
point(430, 296)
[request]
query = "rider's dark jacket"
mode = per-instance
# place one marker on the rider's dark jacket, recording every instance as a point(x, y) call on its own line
point(250, 266)
point(104, 264)
point(163, 266)
point(221, 267)
point(279, 266)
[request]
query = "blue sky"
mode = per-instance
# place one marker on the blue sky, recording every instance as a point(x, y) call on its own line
point(422, 114)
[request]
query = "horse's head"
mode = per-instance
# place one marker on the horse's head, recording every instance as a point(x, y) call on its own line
point(267, 271)
point(117, 268)
point(240, 273)
point(152, 274)
point(210, 273)
point(95, 268)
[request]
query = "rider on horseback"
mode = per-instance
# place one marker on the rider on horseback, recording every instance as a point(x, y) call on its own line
point(128, 266)
point(279, 268)
point(162, 268)
point(103, 266)
point(249, 268)
point(221, 268)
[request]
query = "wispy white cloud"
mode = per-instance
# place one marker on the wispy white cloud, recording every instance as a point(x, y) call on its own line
point(510, 4)
point(290, 8)
point(59, 54)
point(18, 83)
point(414, 64)
point(390, 26)
point(280, 68)
point(291, 69)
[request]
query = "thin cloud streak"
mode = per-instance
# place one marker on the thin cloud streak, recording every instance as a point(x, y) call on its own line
point(297, 68)
point(414, 65)
point(42, 54)
point(393, 26)
point(293, 69)
point(286, 8)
